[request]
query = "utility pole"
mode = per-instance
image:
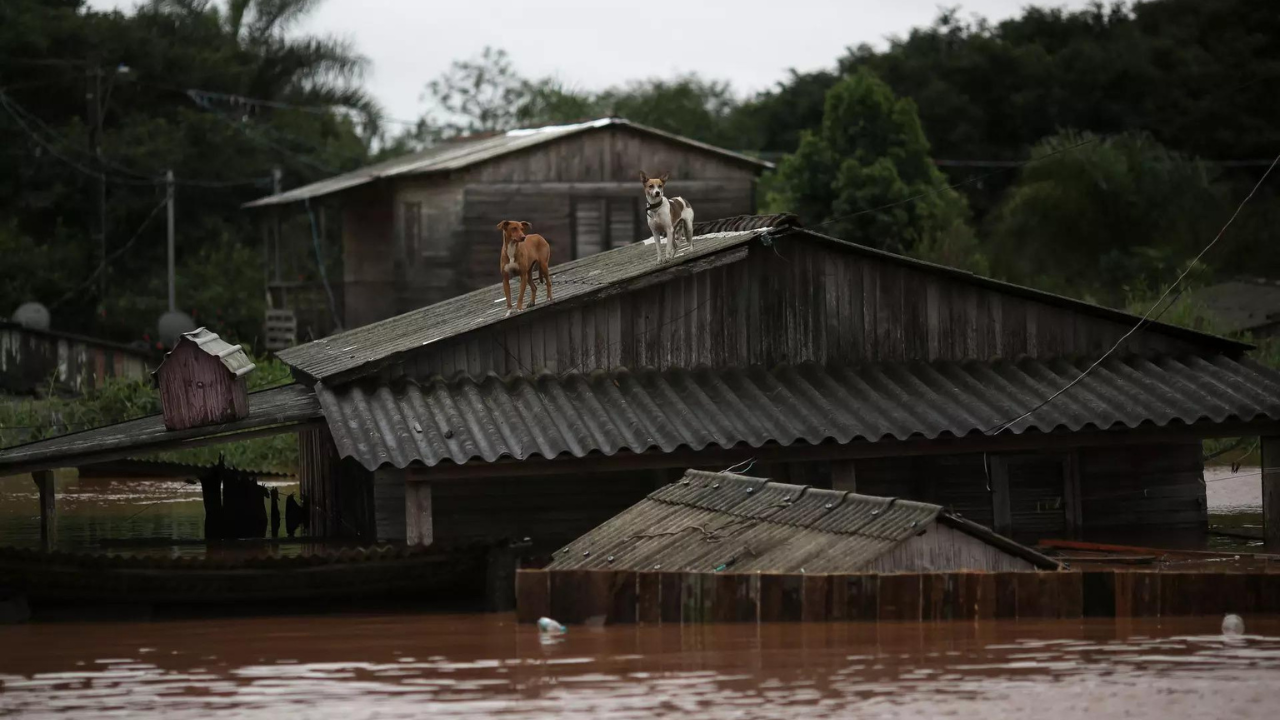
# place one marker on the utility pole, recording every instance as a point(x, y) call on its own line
point(95, 146)
point(168, 187)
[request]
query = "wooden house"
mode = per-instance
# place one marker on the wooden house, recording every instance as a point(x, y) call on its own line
point(31, 358)
point(419, 229)
point(779, 351)
point(202, 381)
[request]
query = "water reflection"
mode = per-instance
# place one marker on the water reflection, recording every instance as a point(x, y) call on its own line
point(481, 666)
point(141, 515)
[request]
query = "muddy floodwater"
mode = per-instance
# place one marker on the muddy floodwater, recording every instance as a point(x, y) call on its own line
point(464, 666)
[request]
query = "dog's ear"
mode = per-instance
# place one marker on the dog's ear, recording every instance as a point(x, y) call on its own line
point(502, 225)
point(526, 225)
point(664, 177)
point(644, 176)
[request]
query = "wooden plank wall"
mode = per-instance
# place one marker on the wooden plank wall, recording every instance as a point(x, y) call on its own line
point(550, 511)
point(808, 301)
point(29, 360)
point(339, 492)
point(624, 597)
point(1141, 487)
point(368, 255)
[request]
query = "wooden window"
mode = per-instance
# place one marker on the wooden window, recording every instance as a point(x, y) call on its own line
point(411, 229)
point(624, 225)
point(588, 226)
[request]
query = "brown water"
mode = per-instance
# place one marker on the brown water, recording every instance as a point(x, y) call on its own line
point(353, 667)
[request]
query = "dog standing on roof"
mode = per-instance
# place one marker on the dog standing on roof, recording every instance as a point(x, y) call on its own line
point(668, 217)
point(522, 254)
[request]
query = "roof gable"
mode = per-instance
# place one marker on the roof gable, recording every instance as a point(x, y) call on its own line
point(467, 152)
point(800, 297)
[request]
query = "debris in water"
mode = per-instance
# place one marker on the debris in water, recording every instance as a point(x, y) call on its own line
point(1232, 625)
point(548, 626)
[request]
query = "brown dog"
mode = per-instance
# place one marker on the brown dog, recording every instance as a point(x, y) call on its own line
point(521, 253)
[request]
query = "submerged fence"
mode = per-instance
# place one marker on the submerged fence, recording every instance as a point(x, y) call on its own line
point(576, 596)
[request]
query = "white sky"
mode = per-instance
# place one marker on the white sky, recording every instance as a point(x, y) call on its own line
point(596, 43)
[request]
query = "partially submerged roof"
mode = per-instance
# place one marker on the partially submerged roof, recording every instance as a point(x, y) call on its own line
point(710, 522)
point(363, 350)
point(467, 151)
point(232, 357)
point(282, 409)
point(466, 420)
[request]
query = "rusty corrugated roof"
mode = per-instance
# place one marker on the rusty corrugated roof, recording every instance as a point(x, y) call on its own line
point(717, 521)
point(468, 151)
point(468, 420)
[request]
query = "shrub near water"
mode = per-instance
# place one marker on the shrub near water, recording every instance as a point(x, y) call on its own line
point(24, 420)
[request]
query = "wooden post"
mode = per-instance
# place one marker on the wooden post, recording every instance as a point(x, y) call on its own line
point(418, 523)
point(1071, 492)
point(48, 509)
point(999, 476)
point(1271, 493)
point(843, 476)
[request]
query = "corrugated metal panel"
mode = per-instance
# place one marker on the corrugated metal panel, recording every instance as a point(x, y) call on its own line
point(466, 152)
point(519, 418)
point(373, 343)
point(741, 223)
point(283, 406)
point(232, 357)
point(711, 521)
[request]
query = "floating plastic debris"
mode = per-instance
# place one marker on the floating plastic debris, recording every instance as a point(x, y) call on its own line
point(1232, 625)
point(547, 626)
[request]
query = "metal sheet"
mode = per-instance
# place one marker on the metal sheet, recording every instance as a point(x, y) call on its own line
point(468, 420)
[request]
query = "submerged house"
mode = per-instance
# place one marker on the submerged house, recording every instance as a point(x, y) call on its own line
point(419, 229)
point(714, 522)
point(825, 363)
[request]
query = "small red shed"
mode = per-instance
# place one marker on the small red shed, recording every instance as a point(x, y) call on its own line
point(202, 381)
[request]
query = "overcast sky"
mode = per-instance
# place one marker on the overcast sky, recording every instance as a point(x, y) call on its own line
point(596, 43)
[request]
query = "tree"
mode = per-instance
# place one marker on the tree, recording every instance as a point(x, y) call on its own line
point(866, 175)
point(1107, 220)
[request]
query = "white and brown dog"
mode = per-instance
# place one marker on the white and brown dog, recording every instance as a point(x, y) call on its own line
point(522, 254)
point(668, 217)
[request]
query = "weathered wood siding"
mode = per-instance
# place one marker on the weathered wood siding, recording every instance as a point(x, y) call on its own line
point(941, 549)
point(549, 511)
point(197, 389)
point(339, 493)
point(808, 301)
point(31, 359)
point(582, 193)
point(1141, 487)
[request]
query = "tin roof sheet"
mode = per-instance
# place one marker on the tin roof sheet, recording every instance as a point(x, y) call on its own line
point(468, 420)
point(467, 151)
point(716, 521)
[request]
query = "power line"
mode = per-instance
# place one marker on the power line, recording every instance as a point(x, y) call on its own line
point(109, 259)
point(1145, 318)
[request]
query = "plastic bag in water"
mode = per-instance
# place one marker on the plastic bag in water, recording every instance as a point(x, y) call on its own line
point(1232, 625)
point(547, 626)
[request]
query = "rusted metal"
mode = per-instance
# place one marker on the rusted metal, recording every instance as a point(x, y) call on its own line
point(30, 360)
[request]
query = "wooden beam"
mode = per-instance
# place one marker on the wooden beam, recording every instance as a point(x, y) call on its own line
point(48, 509)
point(843, 476)
point(1071, 492)
point(1271, 493)
point(418, 521)
point(1003, 516)
point(858, 449)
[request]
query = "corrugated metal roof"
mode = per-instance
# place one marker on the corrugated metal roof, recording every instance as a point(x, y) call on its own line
point(371, 344)
point(232, 357)
point(465, 152)
point(1240, 305)
point(283, 406)
point(365, 349)
point(717, 521)
point(741, 223)
point(467, 420)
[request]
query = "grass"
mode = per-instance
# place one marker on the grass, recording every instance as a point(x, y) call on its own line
point(27, 419)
